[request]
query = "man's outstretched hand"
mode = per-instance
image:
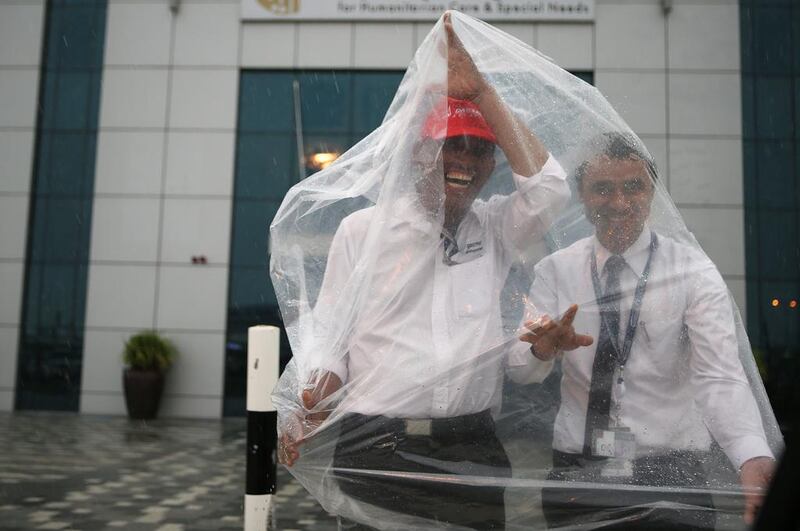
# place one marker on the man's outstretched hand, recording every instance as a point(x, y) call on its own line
point(315, 410)
point(755, 475)
point(548, 337)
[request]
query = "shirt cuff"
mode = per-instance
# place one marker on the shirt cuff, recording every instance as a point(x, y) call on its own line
point(524, 367)
point(551, 170)
point(746, 448)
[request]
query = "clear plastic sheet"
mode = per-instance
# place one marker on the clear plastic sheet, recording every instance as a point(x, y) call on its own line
point(416, 272)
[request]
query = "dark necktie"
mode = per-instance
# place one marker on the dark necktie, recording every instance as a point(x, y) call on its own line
point(450, 249)
point(597, 414)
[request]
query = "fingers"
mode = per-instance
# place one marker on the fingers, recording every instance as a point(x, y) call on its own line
point(541, 325)
point(752, 502)
point(308, 399)
point(756, 474)
point(569, 315)
point(288, 452)
point(583, 340)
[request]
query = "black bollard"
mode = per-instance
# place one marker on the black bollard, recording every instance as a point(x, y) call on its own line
point(263, 352)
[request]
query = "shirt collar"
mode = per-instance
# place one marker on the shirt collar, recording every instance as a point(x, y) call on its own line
point(635, 256)
point(409, 212)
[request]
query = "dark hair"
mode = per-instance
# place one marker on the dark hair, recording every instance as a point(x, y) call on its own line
point(618, 146)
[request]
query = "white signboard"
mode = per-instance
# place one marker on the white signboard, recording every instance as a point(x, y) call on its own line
point(397, 10)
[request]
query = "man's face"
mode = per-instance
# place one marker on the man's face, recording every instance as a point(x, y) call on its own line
point(616, 195)
point(467, 163)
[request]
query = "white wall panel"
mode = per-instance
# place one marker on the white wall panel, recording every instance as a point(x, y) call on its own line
point(569, 45)
point(120, 296)
point(133, 98)
point(200, 366)
point(16, 156)
point(325, 45)
point(196, 227)
point(19, 89)
point(640, 98)
point(630, 36)
point(193, 298)
point(704, 36)
point(268, 45)
point(207, 34)
point(21, 33)
point(6, 400)
point(138, 34)
point(383, 45)
point(705, 104)
point(706, 171)
point(13, 226)
point(200, 163)
point(720, 233)
point(97, 403)
point(204, 98)
point(9, 339)
point(125, 229)
point(129, 162)
point(11, 276)
point(102, 363)
point(421, 30)
point(526, 32)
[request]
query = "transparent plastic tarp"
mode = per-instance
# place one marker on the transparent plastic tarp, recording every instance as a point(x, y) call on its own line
point(442, 377)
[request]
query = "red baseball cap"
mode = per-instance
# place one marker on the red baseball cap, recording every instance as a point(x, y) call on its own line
point(457, 118)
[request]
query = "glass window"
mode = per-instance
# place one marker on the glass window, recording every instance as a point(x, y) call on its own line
point(770, 41)
point(266, 165)
point(326, 101)
point(54, 295)
point(338, 108)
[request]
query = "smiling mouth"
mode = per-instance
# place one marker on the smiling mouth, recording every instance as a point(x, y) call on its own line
point(458, 179)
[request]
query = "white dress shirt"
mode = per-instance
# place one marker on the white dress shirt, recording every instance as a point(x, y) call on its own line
point(416, 336)
point(683, 377)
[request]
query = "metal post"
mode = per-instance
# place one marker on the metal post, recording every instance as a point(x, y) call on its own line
point(263, 350)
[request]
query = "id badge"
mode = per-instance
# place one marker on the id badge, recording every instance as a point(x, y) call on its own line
point(617, 467)
point(614, 442)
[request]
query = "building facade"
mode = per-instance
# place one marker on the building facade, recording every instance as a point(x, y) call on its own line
point(145, 146)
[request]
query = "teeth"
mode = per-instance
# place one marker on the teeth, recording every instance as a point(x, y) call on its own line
point(458, 179)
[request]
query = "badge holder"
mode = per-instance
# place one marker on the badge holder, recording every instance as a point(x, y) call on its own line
point(619, 446)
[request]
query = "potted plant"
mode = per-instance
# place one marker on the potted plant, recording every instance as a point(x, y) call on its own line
point(147, 356)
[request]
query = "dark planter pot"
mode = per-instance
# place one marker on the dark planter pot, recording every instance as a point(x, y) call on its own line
point(142, 392)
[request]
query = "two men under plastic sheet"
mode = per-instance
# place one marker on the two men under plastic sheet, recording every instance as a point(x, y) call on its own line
point(423, 316)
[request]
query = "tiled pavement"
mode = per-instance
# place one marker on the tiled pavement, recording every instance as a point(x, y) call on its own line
point(82, 472)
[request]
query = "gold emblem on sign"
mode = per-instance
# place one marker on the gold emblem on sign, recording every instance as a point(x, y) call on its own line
point(281, 7)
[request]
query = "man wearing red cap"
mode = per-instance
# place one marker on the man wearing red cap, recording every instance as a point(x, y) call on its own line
point(424, 366)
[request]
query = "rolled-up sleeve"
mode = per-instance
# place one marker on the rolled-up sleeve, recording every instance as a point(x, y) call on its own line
point(533, 207)
point(722, 391)
point(523, 366)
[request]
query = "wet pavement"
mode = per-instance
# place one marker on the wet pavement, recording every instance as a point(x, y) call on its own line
point(84, 472)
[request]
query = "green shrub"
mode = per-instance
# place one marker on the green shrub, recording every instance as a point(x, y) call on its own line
point(147, 350)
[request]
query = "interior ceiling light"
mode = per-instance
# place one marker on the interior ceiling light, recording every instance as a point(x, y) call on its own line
point(322, 160)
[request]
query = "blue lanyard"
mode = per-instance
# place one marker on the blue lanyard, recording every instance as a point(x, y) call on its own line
point(633, 319)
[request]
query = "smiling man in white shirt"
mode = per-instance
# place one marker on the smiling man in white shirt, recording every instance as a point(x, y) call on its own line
point(419, 373)
point(641, 404)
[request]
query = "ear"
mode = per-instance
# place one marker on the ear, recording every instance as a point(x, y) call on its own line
point(579, 190)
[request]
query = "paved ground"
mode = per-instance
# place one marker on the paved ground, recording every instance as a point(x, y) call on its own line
point(82, 472)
